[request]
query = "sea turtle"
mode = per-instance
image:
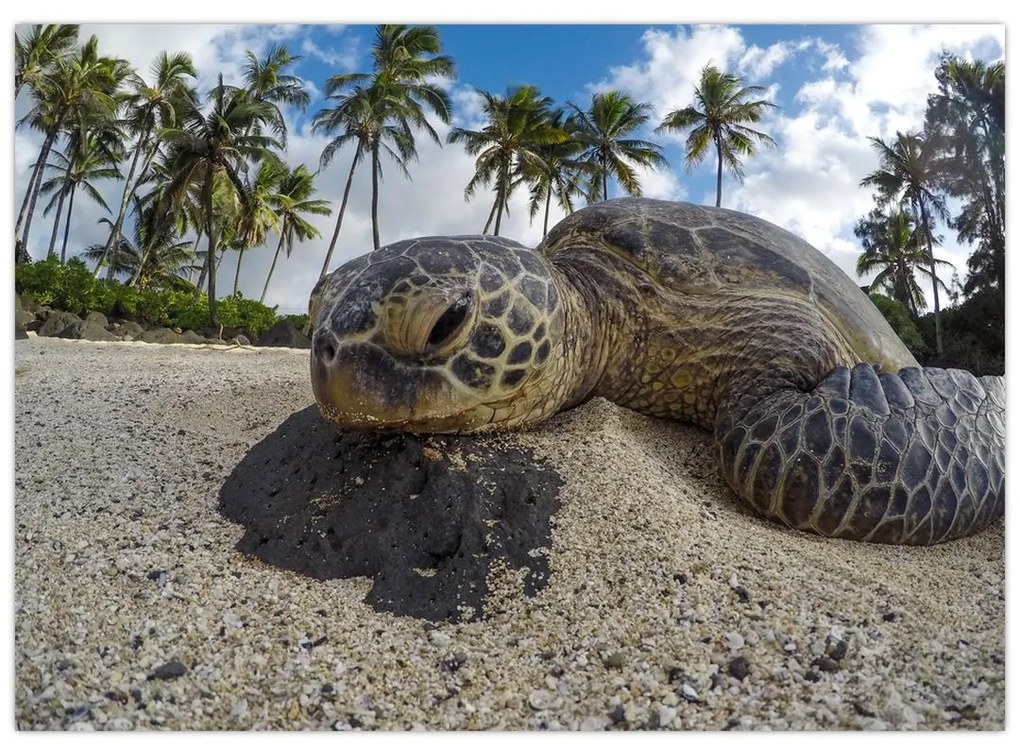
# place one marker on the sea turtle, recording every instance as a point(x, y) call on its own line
point(822, 417)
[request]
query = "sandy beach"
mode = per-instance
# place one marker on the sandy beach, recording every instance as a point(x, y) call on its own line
point(667, 604)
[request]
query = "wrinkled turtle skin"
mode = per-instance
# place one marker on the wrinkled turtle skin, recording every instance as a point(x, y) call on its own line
point(823, 418)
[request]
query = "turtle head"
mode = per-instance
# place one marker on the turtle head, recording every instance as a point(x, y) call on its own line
point(444, 334)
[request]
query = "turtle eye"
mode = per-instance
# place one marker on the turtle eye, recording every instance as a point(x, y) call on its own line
point(449, 322)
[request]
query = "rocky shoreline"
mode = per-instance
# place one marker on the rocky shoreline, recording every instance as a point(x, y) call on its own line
point(48, 322)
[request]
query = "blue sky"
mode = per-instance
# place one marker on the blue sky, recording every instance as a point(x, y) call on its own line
point(835, 86)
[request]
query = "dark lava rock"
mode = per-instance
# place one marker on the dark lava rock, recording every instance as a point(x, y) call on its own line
point(23, 317)
point(190, 337)
point(170, 670)
point(55, 321)
point(739, 667)
point(19, 332)
point(95, 316)
point(284, 333)
point(426, 518)
point(158, 336)
point(87, 331)
point(127, 330)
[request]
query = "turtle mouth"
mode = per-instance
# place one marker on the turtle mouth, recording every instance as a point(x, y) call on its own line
point(360, 385)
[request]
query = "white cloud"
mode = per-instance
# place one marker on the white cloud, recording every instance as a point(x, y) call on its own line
point(662, 183)
point(758, 63)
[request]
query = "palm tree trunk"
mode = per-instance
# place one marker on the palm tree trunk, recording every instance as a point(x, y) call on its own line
point(339, 221)
point(130, 186)
point(37, 169)
point(934, 279)
point(492, 214)
point(718, 174)
point(272, 266)
point(548, 199)
point(56, 223)
point(214, 318)
point(501, 190)
point(67, 225)
point(605, 180)
point(237, 271)
point(375, 196)
point(43, 157)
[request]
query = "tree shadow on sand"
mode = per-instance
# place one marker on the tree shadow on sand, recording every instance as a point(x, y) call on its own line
point(426, 518)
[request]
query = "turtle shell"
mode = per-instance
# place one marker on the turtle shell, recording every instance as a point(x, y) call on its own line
point(694, 249)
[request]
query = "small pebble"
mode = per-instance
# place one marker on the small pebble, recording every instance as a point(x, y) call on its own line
point(170, 670)
point(439, 638)
point(615, 660)
point(739, 667)
point(689, 693)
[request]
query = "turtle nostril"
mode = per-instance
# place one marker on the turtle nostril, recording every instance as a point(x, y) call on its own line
point(324, 346)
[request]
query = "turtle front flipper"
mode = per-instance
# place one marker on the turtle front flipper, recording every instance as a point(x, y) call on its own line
point(915, 458)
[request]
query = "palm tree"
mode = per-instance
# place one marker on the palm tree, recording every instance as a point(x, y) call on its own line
point(151, 108)
point(81, 87)
point(400, 93)
point(213, 145)
point(721, 109)
point(892, 248)
point(34, 54)
point(559, 172)
point(603, 131)
point(265, 81)
point(259, 216)
point(907, 175)
point(89, 156)
point(968, 117)
point(292, 200)
point(169, 256)
point(518, 125)
point(352, 119)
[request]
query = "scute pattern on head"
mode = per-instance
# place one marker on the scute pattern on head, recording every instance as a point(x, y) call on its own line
point(388, 298)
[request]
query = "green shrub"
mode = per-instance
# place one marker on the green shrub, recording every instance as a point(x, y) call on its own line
point(70, 287)
point(73, 288)
point(301, 322)
point(899, 318)
point(238, 312)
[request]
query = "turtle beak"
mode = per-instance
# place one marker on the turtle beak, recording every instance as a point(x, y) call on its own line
point(359, 385)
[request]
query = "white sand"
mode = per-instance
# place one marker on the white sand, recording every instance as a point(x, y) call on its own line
point(659, 578)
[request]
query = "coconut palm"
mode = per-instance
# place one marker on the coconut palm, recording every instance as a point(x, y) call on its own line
point(968, 115)
point(292, 200)
point(167, 259)
point(213, 146)
point(352, 121)
point(893, 248)
point(558, 172)
point(517, 126)
point(718, 117)
point(89, 156)
point(81, 87)
point(37, 51)
point(392, 102)
point(258, 216)
point(603, 131)
point(150, 108)
point(266, 81)
point(907, 175)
